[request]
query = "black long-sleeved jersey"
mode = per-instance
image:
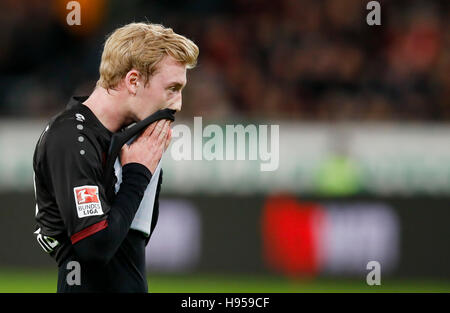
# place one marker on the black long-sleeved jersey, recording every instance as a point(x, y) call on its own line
point(75, 219)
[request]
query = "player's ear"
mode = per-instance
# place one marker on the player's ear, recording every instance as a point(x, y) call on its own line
point(132, 81)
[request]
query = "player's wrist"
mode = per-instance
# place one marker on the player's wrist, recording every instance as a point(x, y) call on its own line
point(136, 168)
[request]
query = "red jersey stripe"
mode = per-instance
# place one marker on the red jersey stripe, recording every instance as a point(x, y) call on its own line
point(89, 231)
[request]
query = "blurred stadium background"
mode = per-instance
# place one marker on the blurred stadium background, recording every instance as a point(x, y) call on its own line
point(364, 171)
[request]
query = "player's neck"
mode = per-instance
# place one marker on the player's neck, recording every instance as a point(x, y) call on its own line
point(108, 107)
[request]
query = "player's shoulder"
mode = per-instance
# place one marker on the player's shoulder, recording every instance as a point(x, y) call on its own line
point(64, 128)
point(71, 137)
point(69, 130)
point(70, 120)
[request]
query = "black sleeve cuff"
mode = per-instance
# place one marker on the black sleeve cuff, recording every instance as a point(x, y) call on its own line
point(136, 168)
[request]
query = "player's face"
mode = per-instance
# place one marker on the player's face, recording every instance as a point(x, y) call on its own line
point(163, 89)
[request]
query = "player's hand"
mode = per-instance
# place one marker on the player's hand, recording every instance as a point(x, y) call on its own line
point(149, 147)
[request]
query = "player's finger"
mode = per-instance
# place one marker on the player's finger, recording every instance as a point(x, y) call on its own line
point(163, 133)
point(157, 130)
point(148, 131)
point(168, 139)
point(125, 147)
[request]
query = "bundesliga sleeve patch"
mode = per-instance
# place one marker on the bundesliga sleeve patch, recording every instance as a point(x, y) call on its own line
point(87, 201)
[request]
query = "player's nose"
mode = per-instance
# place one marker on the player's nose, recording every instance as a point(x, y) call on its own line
point(176, 105)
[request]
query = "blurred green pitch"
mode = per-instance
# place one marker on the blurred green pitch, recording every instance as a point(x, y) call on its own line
point(34, 281)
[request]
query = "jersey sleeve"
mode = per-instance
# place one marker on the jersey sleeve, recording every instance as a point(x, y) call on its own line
point(75, 167)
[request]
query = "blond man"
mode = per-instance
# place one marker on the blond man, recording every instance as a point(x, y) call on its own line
point(92, 236)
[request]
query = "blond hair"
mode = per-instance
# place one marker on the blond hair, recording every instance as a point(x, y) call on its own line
point(142, 46)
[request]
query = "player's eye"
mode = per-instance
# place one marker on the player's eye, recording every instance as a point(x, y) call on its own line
point(175, 88)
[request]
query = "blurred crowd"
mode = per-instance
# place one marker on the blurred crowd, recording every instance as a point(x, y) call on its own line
point(312, 60)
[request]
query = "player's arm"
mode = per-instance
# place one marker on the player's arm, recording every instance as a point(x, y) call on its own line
point(95, 227)
point(105, 237)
